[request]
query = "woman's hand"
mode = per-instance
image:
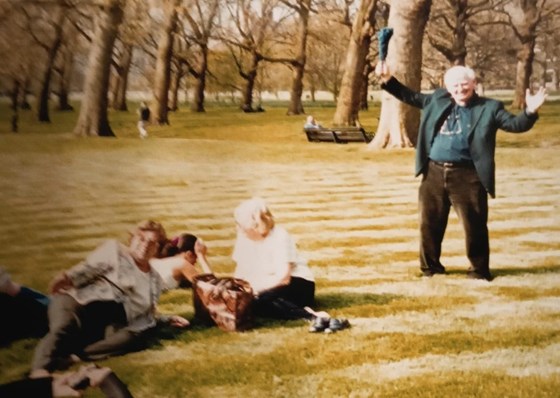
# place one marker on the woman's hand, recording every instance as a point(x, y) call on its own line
point(200, 248)
point(60, 282)
point(178, 321)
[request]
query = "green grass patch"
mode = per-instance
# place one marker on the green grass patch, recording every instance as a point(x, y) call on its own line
point(348, 207)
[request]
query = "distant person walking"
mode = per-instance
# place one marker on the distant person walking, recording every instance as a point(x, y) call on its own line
point(144, 119)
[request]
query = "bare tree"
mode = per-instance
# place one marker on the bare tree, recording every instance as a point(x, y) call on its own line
point(525, 16)
point(297, 63)
point(348, 103)
point(162, 78)
point(200, 24)
point(120, 81)
point(247, 40)
point(46, 26)
point(326, 51)
point(93, 119)
point(398, 122)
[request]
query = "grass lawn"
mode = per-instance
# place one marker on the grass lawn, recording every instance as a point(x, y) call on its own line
point(353, 213)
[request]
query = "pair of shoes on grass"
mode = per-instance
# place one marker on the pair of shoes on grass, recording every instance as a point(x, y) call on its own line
point(328, 325)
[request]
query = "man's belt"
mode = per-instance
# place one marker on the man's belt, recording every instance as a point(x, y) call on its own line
point(463, 164)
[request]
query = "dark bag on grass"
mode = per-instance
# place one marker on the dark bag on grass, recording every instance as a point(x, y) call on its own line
point(223, 301)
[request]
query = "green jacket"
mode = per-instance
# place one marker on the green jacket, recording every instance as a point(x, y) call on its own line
point(487, 117)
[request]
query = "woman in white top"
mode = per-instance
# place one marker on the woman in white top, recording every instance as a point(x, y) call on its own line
point(177, 261)
point(267, 258)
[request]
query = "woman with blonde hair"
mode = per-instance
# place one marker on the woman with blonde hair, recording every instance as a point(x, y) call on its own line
point(267, 258)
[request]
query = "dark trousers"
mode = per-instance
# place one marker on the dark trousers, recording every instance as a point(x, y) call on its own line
point(287, 302)
point(23, 315)
point(91, 331)
point(37, 388)
point(460, 187)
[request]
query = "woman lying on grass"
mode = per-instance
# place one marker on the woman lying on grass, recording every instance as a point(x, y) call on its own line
point(106, 304)
point(27, 309)
point(267, 258)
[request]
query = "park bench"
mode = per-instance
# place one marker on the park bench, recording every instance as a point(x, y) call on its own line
point(339, 135)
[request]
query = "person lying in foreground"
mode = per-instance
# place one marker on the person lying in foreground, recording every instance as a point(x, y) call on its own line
point(69, 384)
point(105, 305)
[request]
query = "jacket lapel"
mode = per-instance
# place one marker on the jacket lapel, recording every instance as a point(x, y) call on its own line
point(476, 113)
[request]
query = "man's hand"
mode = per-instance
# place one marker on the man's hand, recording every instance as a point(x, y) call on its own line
point(534, 102)
point(382, 71)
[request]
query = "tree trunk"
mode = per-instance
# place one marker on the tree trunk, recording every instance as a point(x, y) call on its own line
point(298, 67)
point(14, 94)
point(93, 119)
point(175, 85)
point(296, 105)
point(398, 122)
point(348, 103)
point(364, 105)
point(200, 82)
point(162, 77)
point(525, 17)
point(524, 69)
point(23, 103)
point(64, 81)
point(45, 91)
point(121, 86)
point(250, 78)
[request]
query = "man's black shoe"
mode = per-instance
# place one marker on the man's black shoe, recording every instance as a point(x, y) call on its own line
point(428, 273)
point(475, 275)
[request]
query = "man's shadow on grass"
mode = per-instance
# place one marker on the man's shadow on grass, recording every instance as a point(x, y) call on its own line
point(499, 272)
point(539, 270)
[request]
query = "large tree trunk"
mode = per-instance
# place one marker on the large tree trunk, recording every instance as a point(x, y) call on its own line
point(298, 66)
point(398, 122)
point(348, 104)
point(162, 76)
point(45, 91)
point(121, 83)
point(93, 119)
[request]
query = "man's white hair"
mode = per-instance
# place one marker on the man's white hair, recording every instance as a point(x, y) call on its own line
point(458, 73)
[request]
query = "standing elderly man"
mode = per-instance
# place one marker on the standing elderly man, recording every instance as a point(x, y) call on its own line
point(104, 305)
point(455, 155)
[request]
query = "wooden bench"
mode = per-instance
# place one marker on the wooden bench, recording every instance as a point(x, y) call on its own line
point(339, 135)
